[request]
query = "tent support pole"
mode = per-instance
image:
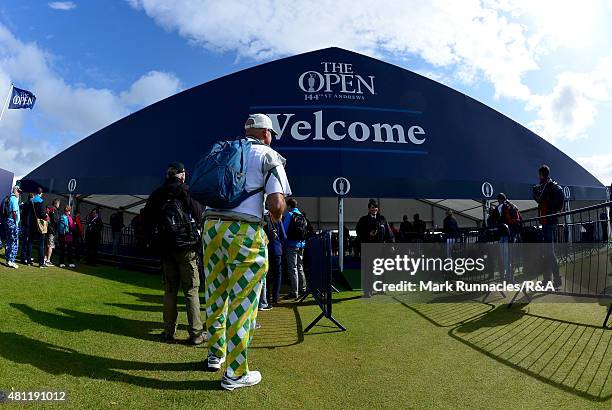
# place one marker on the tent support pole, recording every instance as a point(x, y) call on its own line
point(484, 213)
point(341, 233)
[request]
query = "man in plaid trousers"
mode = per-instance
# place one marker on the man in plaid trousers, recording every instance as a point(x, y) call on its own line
point(235, 258)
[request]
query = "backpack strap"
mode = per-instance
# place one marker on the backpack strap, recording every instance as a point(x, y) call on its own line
point(260, 189)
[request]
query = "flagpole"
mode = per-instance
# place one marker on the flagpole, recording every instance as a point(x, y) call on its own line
point(6, 101)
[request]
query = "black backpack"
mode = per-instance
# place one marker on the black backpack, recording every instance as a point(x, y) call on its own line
point(177, 229)
point(298, 227)
point(4, 210)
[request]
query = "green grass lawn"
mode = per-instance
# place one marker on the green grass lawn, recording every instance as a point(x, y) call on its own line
point(94, 331)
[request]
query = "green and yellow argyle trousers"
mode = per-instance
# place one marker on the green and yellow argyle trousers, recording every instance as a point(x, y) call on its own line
point(235, 261)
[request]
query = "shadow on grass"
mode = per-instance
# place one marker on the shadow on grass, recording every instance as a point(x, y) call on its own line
point(574, 357)
point(155, 302)
point(448, 314)
point(59, 360)
point(121, 275)
point(280, 327)
point(74, 321)
point(309, 301)
point(144, 308)
point(152, 298)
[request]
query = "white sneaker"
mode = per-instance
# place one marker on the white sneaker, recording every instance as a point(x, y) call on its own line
point(250, 379)
point(72, 265)
point(62, 265)
point(48, 263)
point(13, 265)
point(215, 362)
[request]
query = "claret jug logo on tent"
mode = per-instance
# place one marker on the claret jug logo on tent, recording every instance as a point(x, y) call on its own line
point(335, 81)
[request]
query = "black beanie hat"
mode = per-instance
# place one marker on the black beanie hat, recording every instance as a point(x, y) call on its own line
point(178, 166)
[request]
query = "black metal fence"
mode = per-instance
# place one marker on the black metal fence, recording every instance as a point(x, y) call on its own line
point(569, 253)
point(582, 248)
point(132, 249)
point(579, 260)
point(318, 266)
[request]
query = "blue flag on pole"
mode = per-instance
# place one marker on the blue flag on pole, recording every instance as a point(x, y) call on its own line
point(21, 99)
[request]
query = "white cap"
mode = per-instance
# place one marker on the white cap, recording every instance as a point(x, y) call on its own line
point(259, 121)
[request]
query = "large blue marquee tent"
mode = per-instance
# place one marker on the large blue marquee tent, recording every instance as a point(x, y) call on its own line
point(391, 132)
point(6, 182)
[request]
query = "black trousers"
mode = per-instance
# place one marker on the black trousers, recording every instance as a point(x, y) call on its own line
point(77, 246)
point(40, 239)
point(92, 250)
point(26, 246)
point(65, 251)
point(275, 273)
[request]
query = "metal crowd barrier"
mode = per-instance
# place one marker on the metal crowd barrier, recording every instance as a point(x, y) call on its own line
point(582, 245)
point(318, 266)
point(132, 251)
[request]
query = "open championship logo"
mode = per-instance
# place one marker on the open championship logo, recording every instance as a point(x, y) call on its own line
point(22, 99)
point(336, 81)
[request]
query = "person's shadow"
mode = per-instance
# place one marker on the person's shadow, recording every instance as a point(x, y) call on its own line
point(74, 321)
point(59, 360)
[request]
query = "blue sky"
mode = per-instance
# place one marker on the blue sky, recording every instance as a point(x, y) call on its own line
point(545, 64)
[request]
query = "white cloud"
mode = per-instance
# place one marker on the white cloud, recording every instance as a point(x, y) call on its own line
point(573, 104)
point(490, 40)
point(62, 5)
point(554, 23)
point(600, 165)
point(151, 87)
point(478, 41)
point(65, 111)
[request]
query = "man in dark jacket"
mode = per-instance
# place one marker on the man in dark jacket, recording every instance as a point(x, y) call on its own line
point(508, 226)
point(418, 226)
point(405, 229)
point(179, 264)
point(450, 227)
point(451, 232)
point(373, 227)
point(93, 235)
point(117, 225)
point(546, 196)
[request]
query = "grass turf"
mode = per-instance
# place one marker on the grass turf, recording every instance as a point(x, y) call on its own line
point(94, 331)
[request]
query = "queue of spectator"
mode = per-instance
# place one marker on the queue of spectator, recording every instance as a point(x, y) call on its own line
point(31, 224)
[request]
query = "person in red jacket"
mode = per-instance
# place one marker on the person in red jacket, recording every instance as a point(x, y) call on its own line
point(77, 236)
